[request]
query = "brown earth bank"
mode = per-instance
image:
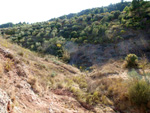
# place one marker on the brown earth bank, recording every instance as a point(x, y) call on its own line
point(26, 82)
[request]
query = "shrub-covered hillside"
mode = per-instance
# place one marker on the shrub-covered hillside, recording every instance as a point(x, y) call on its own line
point(9, 24)
point(98, 26)
point(110, 46)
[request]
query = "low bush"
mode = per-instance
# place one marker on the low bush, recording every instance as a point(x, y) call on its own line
point(139, 92)
point(131, 61)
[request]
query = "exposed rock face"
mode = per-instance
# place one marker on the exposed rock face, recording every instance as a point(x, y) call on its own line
point(90, 54)
point(4, 102)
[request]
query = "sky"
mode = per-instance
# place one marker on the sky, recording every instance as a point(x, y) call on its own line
point(42, 10)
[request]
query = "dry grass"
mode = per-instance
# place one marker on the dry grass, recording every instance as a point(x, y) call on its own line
point(111, 91)
point(8, 65)
point(34, 84)
point(4, 43)
point(1, 69)
point(144, 64)
point(66, 56)
point(88, 91)
point(81, 80)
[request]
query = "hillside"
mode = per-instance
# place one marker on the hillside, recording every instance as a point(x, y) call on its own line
point(95, 61)
point(110, 8)
point(87, 27)
point(28, 81)
point(33, 83)
point(53, 37)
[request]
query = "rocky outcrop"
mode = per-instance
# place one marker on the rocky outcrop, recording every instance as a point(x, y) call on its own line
point(4, 102)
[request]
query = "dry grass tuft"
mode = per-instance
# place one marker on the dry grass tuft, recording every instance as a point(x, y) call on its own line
point(81, 80)
point(1, 69)
point(8, 65)
point(34, 84)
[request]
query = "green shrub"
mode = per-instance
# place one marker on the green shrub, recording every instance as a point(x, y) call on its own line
point(53, 74)
point(93, 99)
point(122, 31)
point(131, 60)
point(139, 92)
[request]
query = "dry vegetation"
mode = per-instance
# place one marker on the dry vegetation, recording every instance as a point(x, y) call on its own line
point(37, 83)
point(42, 73)
point(104, 86)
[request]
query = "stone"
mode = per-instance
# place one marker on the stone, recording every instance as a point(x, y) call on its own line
point(5, 102)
